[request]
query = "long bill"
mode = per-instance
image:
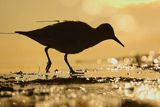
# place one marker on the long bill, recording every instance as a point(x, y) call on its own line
point(117, 40)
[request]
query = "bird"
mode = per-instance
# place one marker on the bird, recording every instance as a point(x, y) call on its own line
point(70, 37)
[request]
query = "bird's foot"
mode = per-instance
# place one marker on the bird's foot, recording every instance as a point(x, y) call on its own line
point(74, 74)
point(48, 66)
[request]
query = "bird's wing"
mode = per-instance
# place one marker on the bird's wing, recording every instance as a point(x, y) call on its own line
point(68, 30)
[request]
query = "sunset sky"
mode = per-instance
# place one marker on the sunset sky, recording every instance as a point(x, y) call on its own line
point(136, 23)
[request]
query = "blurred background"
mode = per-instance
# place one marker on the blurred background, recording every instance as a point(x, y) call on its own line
point(136, 23)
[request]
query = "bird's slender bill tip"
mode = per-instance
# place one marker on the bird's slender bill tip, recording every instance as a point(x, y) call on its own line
point(117, 40)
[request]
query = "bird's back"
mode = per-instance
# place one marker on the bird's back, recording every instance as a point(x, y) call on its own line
point(65, 30)
point(68, 36)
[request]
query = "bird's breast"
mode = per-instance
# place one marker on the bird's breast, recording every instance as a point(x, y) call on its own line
point(72, 46)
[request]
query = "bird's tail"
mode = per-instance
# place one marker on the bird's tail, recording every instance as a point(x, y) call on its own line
point(26, 33)
point(21, 32)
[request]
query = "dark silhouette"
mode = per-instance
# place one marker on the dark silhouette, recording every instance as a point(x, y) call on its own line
point(70, 37)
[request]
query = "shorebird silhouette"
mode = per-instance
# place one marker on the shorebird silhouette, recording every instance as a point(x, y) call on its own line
point(70, 37)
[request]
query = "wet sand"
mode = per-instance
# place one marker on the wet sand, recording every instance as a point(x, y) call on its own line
point(121, 82)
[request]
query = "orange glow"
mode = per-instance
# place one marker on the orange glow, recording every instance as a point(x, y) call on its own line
point(135, 24)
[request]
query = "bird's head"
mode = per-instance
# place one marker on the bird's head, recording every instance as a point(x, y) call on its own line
point(107, 32)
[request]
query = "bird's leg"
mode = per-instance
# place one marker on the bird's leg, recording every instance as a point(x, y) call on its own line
point(70, 68)
point(72, 72)
point(49, 61)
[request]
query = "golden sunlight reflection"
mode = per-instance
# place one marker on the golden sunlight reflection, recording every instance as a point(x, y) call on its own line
point(113, 61)
point(126, 22)
point(143, 91)
point(93, 7)
point(105, 75)
point(146, 92)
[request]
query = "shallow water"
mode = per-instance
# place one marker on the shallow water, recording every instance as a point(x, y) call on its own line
point(112, 82)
